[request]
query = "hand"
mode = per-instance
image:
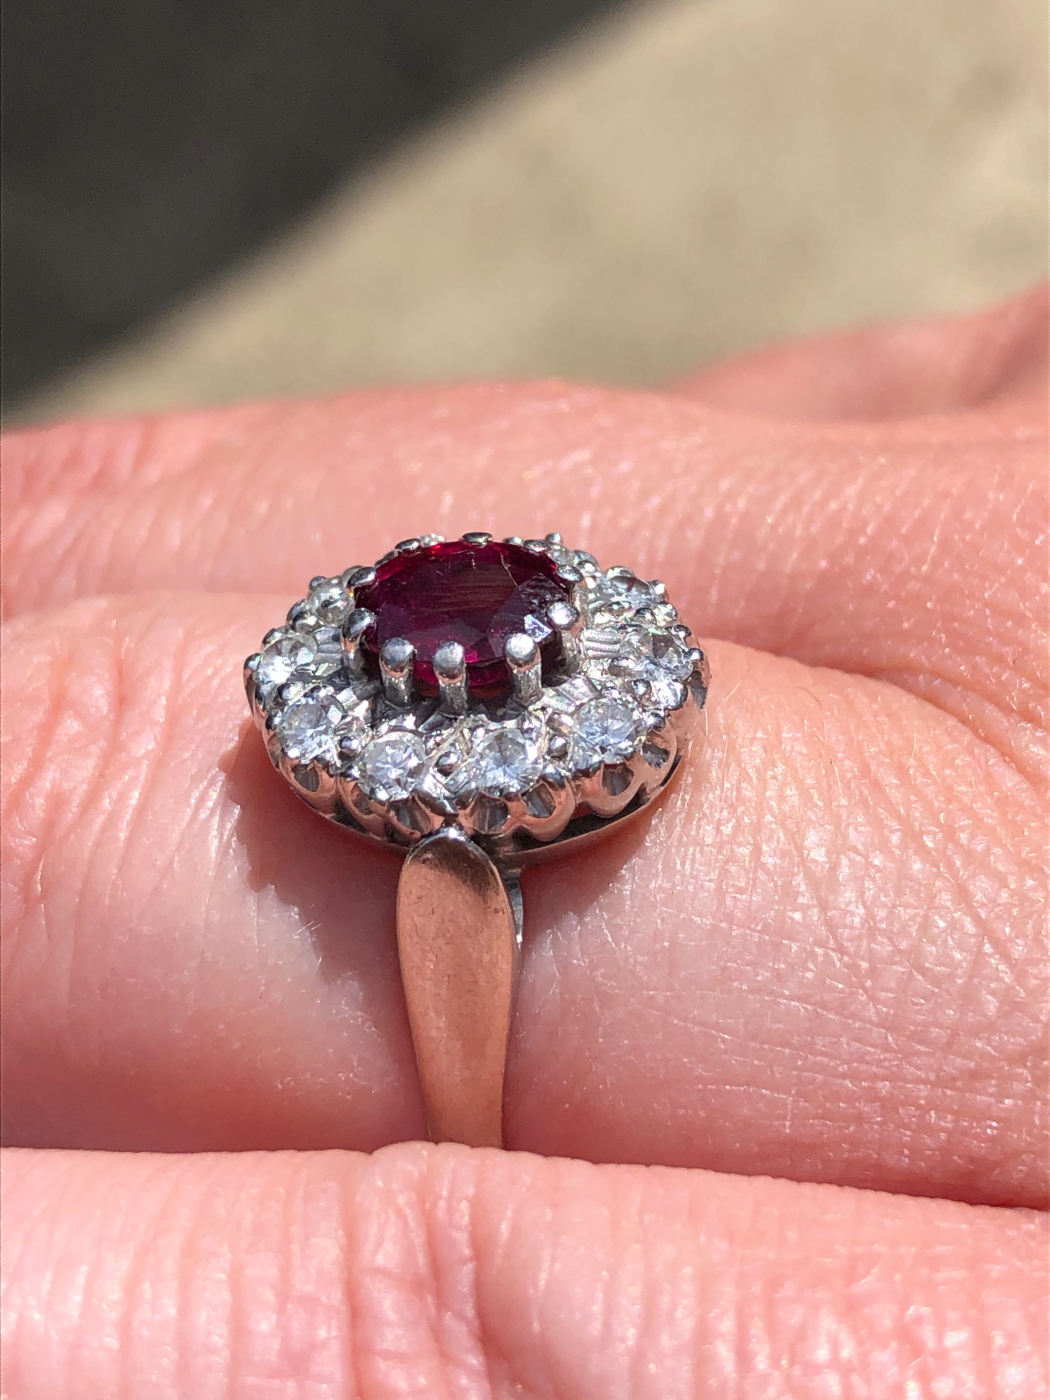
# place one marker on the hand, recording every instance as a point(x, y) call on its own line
point(819, 967)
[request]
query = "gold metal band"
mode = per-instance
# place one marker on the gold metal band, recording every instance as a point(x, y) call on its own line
point(458, 933)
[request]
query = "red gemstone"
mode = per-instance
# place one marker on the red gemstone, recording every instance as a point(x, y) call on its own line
point(476, 595)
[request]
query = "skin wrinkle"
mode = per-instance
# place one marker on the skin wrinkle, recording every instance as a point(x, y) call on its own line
point(250, 1299)
point(21, 1277)
point(755, 1325)
point(1021, 743)
point(432, 1250)
point(980, 944)
point(157, 738)
point(797, 839)
point(296, 1346)
point(949, 849)
point(172, 1276)
point(70, 461)
point(159, 732)
point(468, 1312)
point(438, 1240)
point(21, 762)
point(137, 1285)
point(348, 1224)
point(18, 1265)
point(77, 719)
point(959, 897)
point(95, 1289)
point(206, 895)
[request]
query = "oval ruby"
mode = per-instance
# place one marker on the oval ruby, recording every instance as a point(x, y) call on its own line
point(473, 594)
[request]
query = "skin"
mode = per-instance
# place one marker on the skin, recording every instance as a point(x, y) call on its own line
point(794, 1026)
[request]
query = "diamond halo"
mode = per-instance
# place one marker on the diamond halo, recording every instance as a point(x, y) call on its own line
point(567, 746)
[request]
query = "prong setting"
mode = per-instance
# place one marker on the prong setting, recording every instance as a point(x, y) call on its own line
point(523, 662)
point(396, 659)
point(566, 620)
point(450, 667)
point(355, 625)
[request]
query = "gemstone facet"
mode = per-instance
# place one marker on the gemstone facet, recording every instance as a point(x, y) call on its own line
point(283, 658)
point(312, 726)
point(474, 594)
point(606, 731)
point(393, 764)
point(504, 762)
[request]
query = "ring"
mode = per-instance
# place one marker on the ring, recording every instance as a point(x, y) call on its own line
point(479, 705)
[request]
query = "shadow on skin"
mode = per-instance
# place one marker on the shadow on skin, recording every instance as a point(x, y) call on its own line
point(342, 891)
point(298, 854)
point(578, 879)
point(558, 897)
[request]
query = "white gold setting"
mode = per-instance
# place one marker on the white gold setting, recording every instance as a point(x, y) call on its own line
point(595, 740)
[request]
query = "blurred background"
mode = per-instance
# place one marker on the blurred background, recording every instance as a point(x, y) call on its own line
point(208, 200)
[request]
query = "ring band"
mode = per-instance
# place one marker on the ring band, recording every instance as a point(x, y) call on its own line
point(478, 705)
point(458, 943)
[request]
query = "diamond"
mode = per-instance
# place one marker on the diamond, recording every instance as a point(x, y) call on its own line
point(671, 657)
point(606, 731)
point(564, 558)
point(664, 690)
point(393, 765)
point(618, 594)
point(282, 659)
point(661, 614)
point(330, 654)
point(505, 761)
point(655, 664)
point(474, 594)
point(666, 670)
point(312, 727)
point(330, 602)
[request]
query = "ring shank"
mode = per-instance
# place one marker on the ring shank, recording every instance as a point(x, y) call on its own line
point(458, 937)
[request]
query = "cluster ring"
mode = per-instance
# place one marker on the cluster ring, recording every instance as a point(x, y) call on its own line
point(598, 736)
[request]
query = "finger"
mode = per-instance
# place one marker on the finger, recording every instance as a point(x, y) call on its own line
point(998, 357)
point(823, 960)
point(943, 364)
point(439, 1271)
point(186, 961)
point(917, 558)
